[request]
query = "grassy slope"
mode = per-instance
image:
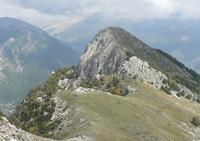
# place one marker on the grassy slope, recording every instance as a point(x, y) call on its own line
point(148, 115)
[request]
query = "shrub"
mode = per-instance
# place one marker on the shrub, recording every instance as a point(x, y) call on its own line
point(1, 115)
point(86, 84)
point(116, 91)
point(33, 130)
point(98, 83)
point(166, 89)
point(122, 91)
point(115, 81)
point(102, 79)
point(129, 54)
point(189, 96)
point(70, 74)
point(178, 94)
point(182, 93)
point(198, 99)
point(135, 77)
point(195, 121)
point(165, 81)
point(174, 86)
point(126, 92)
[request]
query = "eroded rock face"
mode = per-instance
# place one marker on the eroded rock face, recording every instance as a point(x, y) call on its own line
point(135, 67)
point(69, 119)
point(102, 55)
point(63, 83)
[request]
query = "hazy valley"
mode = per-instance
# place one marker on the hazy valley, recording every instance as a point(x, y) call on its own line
point(28, 56)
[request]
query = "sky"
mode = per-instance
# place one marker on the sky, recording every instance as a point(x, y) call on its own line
point(41, 12)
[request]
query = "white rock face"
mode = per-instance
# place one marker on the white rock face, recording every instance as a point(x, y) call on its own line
point(143, 71)
point(81, 90)
point(59, 113)
point(63, 83)
point(95, 46)
point(101, 54)
point(186, 90)
point(193, 131)
point(131, 89)
point(70, 119)
point(80, 138)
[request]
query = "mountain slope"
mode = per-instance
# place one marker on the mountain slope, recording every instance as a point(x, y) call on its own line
point(27, 56)
point(117, 92)
point(147, 113)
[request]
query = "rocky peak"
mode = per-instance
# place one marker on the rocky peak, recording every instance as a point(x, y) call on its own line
point(102, 40)
point(110, 48)
point(101, 55)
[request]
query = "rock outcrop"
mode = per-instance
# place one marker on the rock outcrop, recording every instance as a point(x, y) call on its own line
point(101, 55)
point(141, 70)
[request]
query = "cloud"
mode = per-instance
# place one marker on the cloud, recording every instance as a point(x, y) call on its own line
point(129, 8)
point(28, 14)
point(184, 39)
point(45, 10)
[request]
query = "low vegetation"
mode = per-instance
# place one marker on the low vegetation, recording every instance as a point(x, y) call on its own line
point(1, 115)
point(34, 115)
point(172, 85)
point(129, 54)
point(193, 86)
point(181, 93)
point(112, 84)
point(189, 96)
point(196, 121)
point(136, 117)
point(166, 89)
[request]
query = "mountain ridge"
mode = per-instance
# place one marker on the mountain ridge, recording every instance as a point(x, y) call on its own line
point(108, 96)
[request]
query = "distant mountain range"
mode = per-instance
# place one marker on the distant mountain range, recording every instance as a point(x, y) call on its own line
point(27, 56)
point(179, 38)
